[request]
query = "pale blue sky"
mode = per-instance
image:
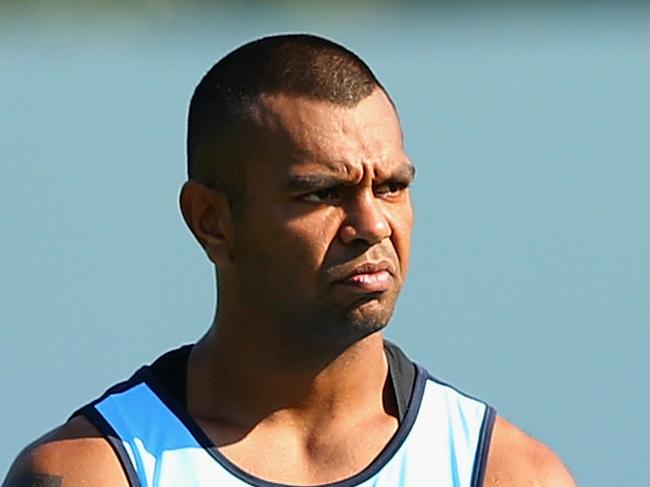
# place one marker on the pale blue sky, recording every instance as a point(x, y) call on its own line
point(529, 285)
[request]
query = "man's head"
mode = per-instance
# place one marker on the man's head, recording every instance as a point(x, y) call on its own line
point(222, 112)
point(298, 189)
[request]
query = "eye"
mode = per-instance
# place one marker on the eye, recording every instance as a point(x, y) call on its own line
point(390, 188)
point(328, 195)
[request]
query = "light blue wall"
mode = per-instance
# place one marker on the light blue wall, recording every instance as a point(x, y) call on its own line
point(529, 283)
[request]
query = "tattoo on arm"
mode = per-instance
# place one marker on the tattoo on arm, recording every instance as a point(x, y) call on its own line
point(37, 480)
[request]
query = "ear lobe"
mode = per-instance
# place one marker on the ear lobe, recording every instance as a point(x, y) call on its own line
point(207, 213)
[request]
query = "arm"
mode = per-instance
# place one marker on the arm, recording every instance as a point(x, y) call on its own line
point(515, 460)
point(72, 455)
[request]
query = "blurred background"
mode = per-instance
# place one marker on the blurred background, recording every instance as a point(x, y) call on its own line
point(529, 126)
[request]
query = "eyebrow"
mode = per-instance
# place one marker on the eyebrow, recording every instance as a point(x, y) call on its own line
point(310, 181)
point(405, 172)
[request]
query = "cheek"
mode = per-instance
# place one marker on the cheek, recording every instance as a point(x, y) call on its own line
point(297, 240)
point(312, 235)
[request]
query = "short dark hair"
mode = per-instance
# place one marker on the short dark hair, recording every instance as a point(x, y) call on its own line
point(296, 64)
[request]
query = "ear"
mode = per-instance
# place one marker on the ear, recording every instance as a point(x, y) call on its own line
point(208, 214)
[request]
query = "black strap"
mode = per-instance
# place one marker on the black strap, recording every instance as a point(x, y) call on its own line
point(402, 374)
point(171, 370)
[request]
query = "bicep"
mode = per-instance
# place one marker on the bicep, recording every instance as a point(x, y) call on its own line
point(33, 479)
point(72, 455)
point(28, 471)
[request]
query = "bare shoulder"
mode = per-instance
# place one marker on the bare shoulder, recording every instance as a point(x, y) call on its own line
point(516, 459)
point(73, 454)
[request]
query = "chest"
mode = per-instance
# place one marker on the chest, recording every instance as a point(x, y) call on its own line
point(323, 456)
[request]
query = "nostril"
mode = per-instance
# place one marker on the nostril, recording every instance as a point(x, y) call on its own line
point(368, 230)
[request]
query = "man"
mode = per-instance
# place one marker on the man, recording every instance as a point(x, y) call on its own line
point(298, 192)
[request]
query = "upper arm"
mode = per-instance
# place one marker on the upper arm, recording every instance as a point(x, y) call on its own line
point(70, 456)
point(516, 459)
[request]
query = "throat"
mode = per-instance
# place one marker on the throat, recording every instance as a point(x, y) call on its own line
point(223, 385)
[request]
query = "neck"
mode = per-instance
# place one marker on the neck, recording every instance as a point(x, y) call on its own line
point(241, 379)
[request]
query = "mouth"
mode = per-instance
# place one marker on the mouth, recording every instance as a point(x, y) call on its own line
point(370, 277)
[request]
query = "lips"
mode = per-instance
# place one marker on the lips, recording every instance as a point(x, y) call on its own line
point(369, 277)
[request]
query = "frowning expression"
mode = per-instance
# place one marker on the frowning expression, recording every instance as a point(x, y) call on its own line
point(323, 242)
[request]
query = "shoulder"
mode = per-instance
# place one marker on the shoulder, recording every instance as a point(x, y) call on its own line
point(73, 454)
point(516, 459)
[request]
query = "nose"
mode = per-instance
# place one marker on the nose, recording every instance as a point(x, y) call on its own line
point(365, 220)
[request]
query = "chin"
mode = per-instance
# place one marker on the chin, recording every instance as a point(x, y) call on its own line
point(370, 323)
point(374, 309)
point(368, 318)
point(336, 327)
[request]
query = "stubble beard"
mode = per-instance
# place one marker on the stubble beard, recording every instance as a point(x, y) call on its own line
point(306, 328)
point(308, 332)
point(323, 332)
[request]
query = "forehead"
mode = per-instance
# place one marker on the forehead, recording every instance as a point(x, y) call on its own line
point(306, 135)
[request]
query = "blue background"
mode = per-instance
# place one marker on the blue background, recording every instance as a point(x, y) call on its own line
point(529, 127)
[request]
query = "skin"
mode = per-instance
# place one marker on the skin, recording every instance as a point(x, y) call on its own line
point(326, 192)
